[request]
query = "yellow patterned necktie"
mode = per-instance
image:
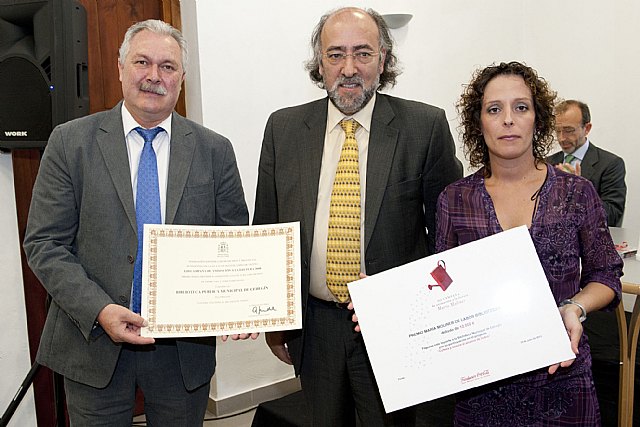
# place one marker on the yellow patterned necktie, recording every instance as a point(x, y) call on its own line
point(343, 239)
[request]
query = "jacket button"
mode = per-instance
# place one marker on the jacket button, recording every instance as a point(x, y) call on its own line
point(130, 259)
point(123, 299)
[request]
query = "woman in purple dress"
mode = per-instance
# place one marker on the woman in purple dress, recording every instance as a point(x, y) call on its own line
point(507, 122)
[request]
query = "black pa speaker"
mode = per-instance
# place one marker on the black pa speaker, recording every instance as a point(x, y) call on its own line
point(43, 69)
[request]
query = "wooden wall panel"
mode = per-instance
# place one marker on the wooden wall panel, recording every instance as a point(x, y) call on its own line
point(96, 91)
point(171, 14)
point(108, 20)
point(109, 41)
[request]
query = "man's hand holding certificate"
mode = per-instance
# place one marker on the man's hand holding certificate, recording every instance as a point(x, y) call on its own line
point(466, 317)
point(205, 281)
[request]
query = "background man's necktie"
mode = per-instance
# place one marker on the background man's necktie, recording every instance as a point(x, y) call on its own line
point(569, 158)
point(147, 204)
point(343, 239)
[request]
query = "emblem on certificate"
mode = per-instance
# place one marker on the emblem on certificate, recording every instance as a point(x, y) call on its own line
point(440, 275)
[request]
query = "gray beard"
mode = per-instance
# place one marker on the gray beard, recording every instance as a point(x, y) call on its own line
point(352, 104)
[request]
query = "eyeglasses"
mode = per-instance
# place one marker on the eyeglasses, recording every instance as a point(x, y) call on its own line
point(566, 130)
point(362, 57)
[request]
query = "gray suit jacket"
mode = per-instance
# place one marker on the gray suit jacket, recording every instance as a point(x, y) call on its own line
point(606, 172)
point(81, 235)
point(411, 159)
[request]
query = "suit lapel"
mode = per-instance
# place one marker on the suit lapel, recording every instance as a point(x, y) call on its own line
point(587, 165)
point(556, 158)
point(310, 147)
point(382, 145)
point(181, 153)
point(112, 144)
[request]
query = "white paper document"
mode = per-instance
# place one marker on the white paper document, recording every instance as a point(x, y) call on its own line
point(459, 319)
point(206, 281)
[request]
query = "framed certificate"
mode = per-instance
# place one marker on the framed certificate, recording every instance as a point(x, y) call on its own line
point(207, 281)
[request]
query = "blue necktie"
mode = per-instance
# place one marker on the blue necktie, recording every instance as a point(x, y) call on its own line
point(147, 204)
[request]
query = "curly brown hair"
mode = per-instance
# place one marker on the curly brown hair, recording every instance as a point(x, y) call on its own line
point(470, 106)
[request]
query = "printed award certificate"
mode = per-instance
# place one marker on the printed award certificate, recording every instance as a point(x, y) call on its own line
point(207, 281)
point(459, 319)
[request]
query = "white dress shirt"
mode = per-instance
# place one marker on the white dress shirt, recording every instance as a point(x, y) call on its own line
point(333, 141)
point(579, 154)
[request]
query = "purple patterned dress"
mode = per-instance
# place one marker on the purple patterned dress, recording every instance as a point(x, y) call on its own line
point(568, 229)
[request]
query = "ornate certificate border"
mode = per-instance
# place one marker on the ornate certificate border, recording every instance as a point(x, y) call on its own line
point(290, 321)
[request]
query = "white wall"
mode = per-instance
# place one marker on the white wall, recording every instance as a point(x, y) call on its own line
point(249, 365)
point(249, 58)
point(14, 352)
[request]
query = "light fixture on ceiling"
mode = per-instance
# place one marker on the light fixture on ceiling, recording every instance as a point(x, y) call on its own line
point(397, 20)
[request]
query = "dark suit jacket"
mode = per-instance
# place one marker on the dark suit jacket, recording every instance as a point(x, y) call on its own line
point(81, 235)
point(411, 159)
point(606, 172)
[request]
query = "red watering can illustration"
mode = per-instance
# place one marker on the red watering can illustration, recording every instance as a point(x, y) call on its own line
point(440, 275)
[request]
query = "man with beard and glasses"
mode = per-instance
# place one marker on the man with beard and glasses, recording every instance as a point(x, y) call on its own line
point(362, 172)
point(102, 177)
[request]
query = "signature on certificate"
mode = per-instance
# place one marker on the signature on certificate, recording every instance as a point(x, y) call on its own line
point(259, 309)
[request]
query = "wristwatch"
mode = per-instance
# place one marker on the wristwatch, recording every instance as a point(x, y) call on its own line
point(583, 311)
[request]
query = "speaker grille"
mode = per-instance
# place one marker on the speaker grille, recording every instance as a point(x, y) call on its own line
point(25, 109)
point(43, 62)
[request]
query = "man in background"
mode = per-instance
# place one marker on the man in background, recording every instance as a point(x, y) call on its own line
point(362, 172)
point(102, 177)
point(580, 156)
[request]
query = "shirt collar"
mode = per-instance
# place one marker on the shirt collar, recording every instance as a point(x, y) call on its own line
point(581, 151)
point(129, 123)
point(335, 116)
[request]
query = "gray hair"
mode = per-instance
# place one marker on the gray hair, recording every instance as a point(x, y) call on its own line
point(390, 69)
point(158, 27)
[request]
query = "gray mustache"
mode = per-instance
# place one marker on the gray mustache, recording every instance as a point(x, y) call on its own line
point(350, 80)
point(153, 88)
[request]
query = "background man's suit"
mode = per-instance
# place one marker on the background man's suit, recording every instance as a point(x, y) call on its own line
point(411, 158)
point(606, 171)
point(81, 236)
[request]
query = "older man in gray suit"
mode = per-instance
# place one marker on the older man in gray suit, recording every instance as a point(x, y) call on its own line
point(362, 172)
point(83, 233)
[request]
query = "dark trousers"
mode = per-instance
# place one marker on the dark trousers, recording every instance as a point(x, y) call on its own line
point(336, 376)
point(156, 370)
